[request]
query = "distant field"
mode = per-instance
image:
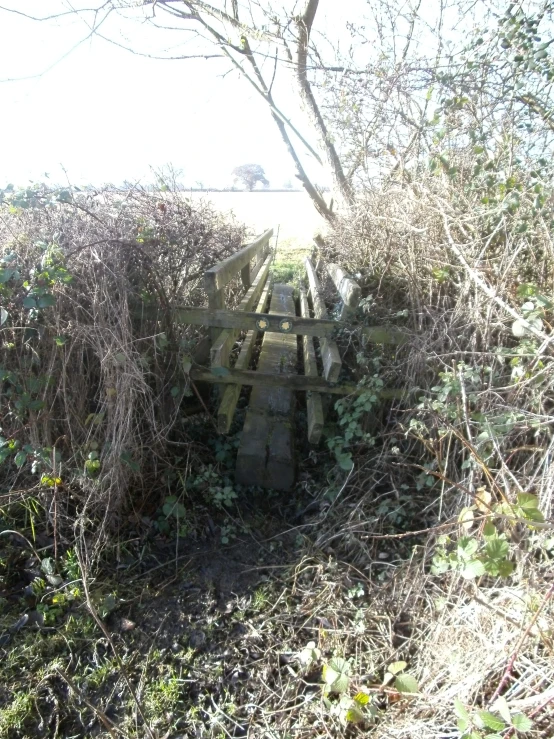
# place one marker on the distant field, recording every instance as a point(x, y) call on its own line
point(292, 212)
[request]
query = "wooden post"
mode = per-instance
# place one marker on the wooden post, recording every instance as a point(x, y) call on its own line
point(349, 290)
point(221, 347)
point(216, 300)
point(231, 395)
point(245, 276)
point(329, 351)
point(314, 405)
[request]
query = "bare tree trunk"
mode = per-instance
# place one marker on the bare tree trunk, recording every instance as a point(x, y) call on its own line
point(304, 25)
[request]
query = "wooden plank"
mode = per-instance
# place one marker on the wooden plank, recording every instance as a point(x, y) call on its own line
point(258, 262)
point(314, 405)
point(247, 321)
point(349, 290)
point(330, 356)
point(219, 353)
point(231, 395)
point(265, 456)
point(233, 376)
point(221, 274)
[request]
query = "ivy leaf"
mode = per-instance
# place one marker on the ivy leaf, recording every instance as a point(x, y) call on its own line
point(406, 684)
point(521, 722)
point(20, 459)
point(29, 302)
point(46, 301)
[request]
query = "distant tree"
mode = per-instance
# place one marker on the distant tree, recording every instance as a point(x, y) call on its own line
point(287, 185)
point(250, 175)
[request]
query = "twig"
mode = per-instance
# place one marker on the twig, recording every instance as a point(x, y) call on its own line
point(523, 637)
point(109, 725)
point(487, 289)
point(107, 634)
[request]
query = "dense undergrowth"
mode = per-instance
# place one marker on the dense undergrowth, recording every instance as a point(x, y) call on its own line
point(405, 588)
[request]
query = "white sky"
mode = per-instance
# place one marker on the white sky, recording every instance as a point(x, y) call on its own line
point(106, 115)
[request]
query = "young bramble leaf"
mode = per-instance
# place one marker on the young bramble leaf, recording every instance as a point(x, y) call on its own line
point(335, 675)
point(474, 568)
point(521, 722)
point(355, 715)
point(491, 721)
point(501, 706)
point(460, 710)
point(406, 684)
point(397, 667)
point(362, 698)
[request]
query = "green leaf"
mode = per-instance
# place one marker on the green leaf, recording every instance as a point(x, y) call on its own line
point(46, 301)
point(460, 710)
point(336, 675)
point(406, 684)
point(491, 721)
point(527, 501)
point(345, 462)
point(521, 722)
point(474, 568)
point(20, 459)
point(501, 706)
point(397, 667)
point(60, 340)
point(355, 715)
point(3, 316)
point(362, 699)
point(467, 546)
point(29, 302)
point(497, 548)
point(506, 568)
point(6, 274)
point(463, 724)
point(48, 566)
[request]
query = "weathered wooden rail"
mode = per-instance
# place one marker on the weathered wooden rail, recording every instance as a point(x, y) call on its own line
point(265, 456)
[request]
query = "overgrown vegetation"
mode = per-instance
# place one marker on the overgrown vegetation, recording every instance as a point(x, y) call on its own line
point(405, 589)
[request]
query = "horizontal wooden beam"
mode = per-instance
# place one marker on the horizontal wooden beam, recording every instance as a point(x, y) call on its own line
point(248, 321)
point(227, 376)
point(221, 274)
